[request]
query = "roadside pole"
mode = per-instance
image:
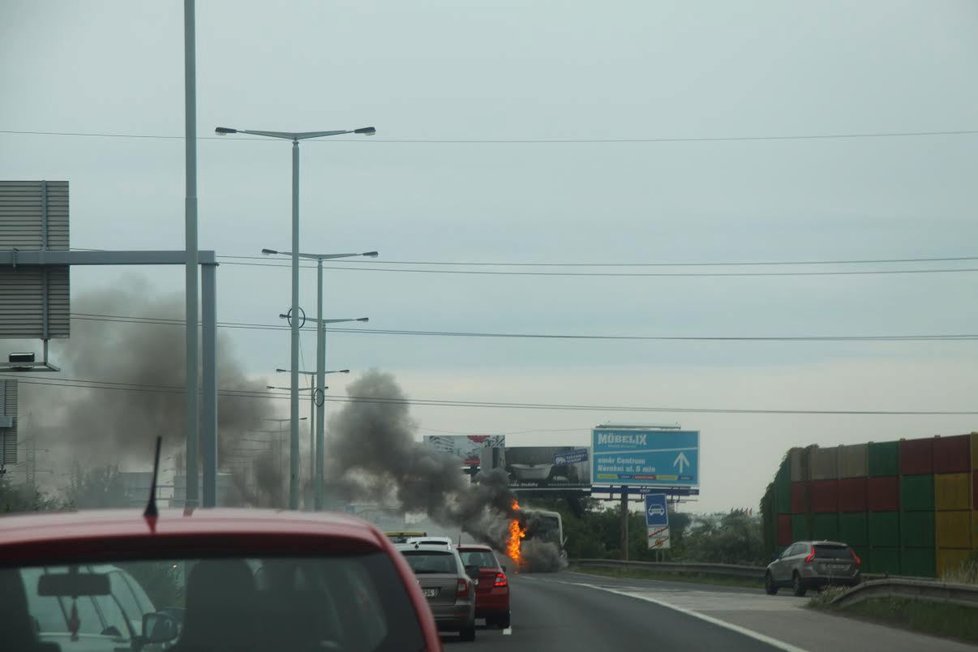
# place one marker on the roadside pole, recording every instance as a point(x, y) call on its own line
point(624, 523)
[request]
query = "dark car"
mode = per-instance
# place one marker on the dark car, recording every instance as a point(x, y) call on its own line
point(219, 579)
point(446, 584)
point(813, 564)
point(492, 587)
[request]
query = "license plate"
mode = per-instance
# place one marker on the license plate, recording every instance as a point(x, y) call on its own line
point(430, 593)
point(838, 567)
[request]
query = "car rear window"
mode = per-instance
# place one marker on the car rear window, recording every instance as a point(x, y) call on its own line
point(832, 552)
point(480, 558)
point(342, 602)
point(431, 561)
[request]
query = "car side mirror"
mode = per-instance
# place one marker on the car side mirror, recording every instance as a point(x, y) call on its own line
point(472, 572)
point(159, 628)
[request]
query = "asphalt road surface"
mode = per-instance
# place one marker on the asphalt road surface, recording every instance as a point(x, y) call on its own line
point(577, 612)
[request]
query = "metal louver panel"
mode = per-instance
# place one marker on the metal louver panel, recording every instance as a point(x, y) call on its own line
point(22, 305)
point(34, 300)
point(8, 408)
point(34, 215)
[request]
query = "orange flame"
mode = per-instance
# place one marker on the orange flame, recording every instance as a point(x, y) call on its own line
point(516, 535)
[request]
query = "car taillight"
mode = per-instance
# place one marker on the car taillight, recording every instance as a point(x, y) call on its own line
point(500, 580)
point(811, 556)
point(463, 589)
point(855, 558)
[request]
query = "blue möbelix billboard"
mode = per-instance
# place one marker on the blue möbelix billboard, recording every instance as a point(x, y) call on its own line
point(645, 457)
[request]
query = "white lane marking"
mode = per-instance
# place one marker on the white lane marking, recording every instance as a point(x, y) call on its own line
point(507, 631)
point(773, 642)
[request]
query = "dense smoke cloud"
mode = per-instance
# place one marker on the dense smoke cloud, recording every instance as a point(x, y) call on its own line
point(374, 454)
point(142, 370)
point(540, 556)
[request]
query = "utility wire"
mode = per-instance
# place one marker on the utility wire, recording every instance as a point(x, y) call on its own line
point(731, 263)
point(102, 385)
point(739, 263)
point(469, 272)
point(532, 141)
point(549, 336)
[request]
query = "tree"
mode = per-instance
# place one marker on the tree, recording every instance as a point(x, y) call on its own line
point(732, 538)
point(96, 488)
point(24, 498)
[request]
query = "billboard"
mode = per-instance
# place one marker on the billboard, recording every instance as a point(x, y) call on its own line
point(644, 457)
point(547, 467)
point(467, 448)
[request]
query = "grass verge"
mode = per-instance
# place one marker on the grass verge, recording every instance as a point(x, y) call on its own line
point(645, 574)
point(937, 619)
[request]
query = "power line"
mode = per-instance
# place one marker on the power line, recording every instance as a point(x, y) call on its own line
point(739, 263)
point(534, 141)
point(469, 272)
point(380, 266)
point(102, 385)
point(551, 336)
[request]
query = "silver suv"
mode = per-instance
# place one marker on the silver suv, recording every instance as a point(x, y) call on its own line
point(813, 564)
point(447, 584)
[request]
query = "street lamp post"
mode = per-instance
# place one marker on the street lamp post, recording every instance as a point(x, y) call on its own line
point(295, 424)
point(321, 397)
point(295, 137)
point(312, 420)
point(321, 359)
point(317, 445)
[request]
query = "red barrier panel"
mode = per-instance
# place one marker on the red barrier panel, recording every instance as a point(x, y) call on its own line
point(917, 456)
point(952, 454)
point(883, 494)
point(852, 495)
point(784, 530)
point(824, 496)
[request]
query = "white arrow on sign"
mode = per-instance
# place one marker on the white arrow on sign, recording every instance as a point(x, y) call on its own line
point(682, 461)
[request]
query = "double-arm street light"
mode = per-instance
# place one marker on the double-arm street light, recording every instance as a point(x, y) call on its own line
point(321, 356)
point(317, 443)
point(321, 401)
point(295, 137)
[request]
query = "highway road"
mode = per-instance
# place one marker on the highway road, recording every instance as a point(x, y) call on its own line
point(577, 612)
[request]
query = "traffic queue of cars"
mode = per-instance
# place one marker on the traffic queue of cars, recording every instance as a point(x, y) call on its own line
point(461, 583)
point(223, 579)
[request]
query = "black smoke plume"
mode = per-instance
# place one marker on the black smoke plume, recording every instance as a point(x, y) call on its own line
point(374, 454)
point(139, 374)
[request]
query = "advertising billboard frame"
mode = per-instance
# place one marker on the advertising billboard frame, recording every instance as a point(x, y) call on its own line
point(642, 457)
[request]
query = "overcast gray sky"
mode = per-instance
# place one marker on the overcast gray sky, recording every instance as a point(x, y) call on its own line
point(547, 70)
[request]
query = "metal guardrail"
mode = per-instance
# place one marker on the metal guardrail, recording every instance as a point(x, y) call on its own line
point(931, 591)
point(872, 586)
point(725, 570)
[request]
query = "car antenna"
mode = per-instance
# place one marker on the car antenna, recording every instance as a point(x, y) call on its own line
point(152, 513)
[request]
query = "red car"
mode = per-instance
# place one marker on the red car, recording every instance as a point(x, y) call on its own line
point(492, 590)
point(209, 579)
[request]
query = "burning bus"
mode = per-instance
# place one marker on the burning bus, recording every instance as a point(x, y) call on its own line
point(536, 540)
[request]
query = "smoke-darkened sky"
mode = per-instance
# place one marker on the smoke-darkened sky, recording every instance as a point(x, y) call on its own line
point(424, 73)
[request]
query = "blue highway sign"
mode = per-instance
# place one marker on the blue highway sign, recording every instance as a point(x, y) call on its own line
point(645, 457)
point(656, 510)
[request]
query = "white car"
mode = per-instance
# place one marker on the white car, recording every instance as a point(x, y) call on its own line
point(430, 541)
